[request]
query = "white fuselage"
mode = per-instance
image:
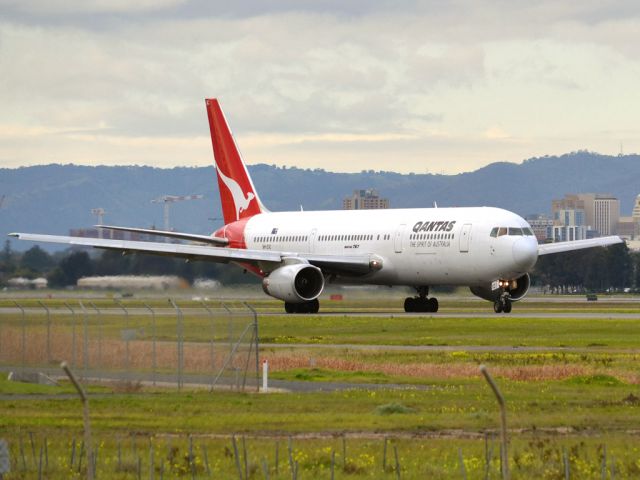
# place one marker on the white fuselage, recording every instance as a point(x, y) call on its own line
point(422, 246)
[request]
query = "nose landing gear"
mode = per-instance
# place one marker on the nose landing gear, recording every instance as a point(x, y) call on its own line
point(421, 303)
point(502, 304)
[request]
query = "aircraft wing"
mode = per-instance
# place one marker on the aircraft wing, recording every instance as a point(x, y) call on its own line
point(266, 260)
point(547, 248)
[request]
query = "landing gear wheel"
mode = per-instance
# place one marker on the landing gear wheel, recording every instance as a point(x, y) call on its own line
point(506, 308)
point(497, 306)
point(410, 304)
point(432, 305)
point(314, 306)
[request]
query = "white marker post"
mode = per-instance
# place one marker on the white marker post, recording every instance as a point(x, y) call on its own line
point(265, 376)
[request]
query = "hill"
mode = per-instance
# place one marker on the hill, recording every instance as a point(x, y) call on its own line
point(55, 198)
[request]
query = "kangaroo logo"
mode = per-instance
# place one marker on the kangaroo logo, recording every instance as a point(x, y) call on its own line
point(240, 202)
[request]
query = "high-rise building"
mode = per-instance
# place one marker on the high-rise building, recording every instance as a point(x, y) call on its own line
point(569, 233)
point(542, 227)
point(595, 211)
point(634, 219)
point(626, 228)
point(606, 214)
point(568, 219)
point(364, 200)
point(636, 209)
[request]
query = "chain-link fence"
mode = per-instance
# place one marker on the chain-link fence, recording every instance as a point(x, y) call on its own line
point(215, 344)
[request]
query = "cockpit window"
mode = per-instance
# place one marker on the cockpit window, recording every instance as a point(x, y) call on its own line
point(514, 231)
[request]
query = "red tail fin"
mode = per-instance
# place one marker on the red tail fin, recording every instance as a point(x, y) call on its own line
point(237, 193)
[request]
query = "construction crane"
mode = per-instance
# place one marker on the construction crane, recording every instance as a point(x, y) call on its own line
point(99, 212)
point(167, 200)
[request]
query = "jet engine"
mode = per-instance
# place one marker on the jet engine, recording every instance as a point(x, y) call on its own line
point(517, 289)
point(297, 283)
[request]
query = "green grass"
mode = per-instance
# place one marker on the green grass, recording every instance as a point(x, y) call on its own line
point(21, 388)
point(531, 456)
point(589, 398)
point(427, 427)
point(440, 330)
point(466, 404)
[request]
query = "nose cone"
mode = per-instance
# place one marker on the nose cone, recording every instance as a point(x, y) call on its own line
point(525, 253)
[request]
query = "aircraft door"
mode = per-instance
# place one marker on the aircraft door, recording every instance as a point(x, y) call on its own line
point(465, 235)
point(397, 239)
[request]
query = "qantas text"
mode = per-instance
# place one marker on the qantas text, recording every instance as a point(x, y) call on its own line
point(434, 226)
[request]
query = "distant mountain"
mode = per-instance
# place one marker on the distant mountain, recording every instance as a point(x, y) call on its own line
point(55, 198)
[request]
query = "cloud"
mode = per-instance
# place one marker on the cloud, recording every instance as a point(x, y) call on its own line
point(82, 7)
point(419, 78)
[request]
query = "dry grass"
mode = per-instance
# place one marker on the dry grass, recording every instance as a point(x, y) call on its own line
point(111, 354)
point(442, 371)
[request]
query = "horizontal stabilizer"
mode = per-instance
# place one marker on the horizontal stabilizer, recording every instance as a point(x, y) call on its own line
point(164, 233)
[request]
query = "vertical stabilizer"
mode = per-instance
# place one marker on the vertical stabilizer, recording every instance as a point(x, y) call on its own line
point(237, 194)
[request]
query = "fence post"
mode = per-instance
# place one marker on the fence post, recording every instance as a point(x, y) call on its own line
point(213, 334)
point(180, 334)
point(99, 334)
point(85, 343)
point(48, 330)
point(73, 334)
point(24, 337)
point(255, 333)
point(126, 336)
point(504, 457)
point(85, 418)
point(153, 344)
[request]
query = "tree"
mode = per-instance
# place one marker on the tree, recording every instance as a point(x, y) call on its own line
point(594, 269)
point(7, 258)
point(71, 268)
point(36, 260)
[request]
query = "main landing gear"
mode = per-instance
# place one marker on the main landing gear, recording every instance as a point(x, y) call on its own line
point(502, 304)
point(307, 307)
point(421, 303)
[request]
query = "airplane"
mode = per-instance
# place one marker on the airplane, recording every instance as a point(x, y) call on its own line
point(490, 250)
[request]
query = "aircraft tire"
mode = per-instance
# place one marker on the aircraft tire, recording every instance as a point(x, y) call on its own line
point(497, 306)
point(421, 305)
point(314, 306)
point(432, 305)
point(290, 307)
point(506, 308)
point(410, 304)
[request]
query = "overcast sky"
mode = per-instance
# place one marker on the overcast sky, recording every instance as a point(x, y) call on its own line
point(430, 86)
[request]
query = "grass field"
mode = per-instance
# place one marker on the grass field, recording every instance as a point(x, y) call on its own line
point(575, 408)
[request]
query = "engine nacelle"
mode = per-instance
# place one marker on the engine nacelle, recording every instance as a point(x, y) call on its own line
point(517, 289)
point(297, 283)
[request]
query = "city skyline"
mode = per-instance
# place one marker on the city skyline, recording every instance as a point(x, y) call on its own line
point(409, 87)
